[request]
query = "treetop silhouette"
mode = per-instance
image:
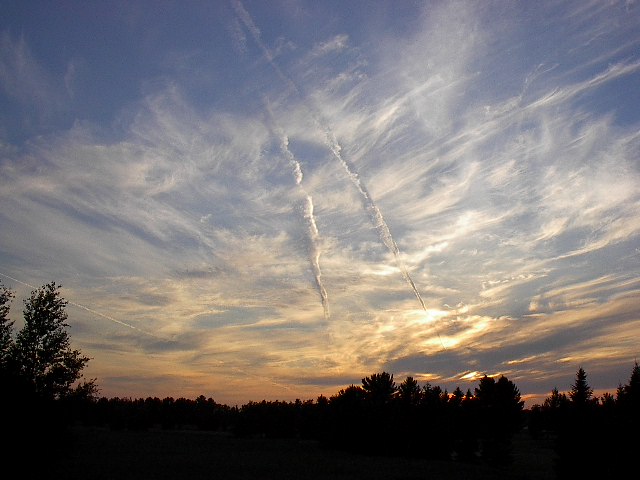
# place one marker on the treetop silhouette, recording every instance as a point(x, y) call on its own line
point(41, 359)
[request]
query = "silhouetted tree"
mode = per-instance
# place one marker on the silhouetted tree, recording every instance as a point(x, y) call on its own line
point(581, 393)
point(349, 398)
point(6, 329)
point(433, 396)
point(500, 408)
point(608, 401)
point(379, 422)
point(455, 400)
point(484, 390)
point(39, 369)
point(628, 425)
point(582, 423)
point(408, 418)
point(547, 418)
point(629, 395)
point(273, 419)
point(11, 400)
point(409, 391)
point(42, 350)
point(347, 419)
point(461, 425)
point(379, 388)
point(468, 396)
point(556, 400)
point(509, 403)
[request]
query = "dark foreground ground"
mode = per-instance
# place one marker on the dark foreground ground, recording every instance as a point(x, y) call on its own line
point(101, 454)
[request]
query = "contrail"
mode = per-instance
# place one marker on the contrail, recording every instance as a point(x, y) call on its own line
point(271, 380)
point(90, 310)
point(380, 223)
point(250, 25)
point(377, 217)
point(315, 254)
point(115, 320)
point(314, 235)
point(297, 168)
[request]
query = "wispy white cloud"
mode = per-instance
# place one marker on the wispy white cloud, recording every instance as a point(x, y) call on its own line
point(510, 203)
point(22, 76)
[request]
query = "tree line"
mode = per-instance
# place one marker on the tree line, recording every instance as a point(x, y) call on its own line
point(592, 436)
point(45, 391)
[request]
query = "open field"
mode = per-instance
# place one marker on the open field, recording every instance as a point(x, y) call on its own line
point(102, 454)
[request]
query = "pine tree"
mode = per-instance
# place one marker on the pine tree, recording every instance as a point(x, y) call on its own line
point(555, 401)
point(379, 387)
point(629, 395)
point(633, 387)
point(409, 391)
point(456, 397)
point(581, 393)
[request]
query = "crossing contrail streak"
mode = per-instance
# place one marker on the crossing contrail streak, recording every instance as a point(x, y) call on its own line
point(297, 168)
point(115, 320)
point(246, 373)
point(378, 219)
point(315, 254)
point(314, 235)
point(90, 310)
point(380, 223)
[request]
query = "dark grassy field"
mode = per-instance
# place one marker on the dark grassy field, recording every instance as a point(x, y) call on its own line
point(101, 454)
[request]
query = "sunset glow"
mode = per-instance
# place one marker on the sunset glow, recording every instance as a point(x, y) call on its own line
point(253, 200)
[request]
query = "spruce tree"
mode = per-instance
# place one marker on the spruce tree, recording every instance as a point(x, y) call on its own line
point(629, 395)
point(581, 393)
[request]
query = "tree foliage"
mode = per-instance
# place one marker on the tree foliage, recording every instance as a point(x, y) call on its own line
point(38, 372)
point(379, 387)
point(377, 417)
point(409, 391)
point(6, 326)
point(602, 430)
point(581, 393)
point(629, 395)
point(556, 400)
point(41, 355)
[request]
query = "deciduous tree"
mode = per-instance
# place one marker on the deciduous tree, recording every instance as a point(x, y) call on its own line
point(6, 327)
point(42, 350)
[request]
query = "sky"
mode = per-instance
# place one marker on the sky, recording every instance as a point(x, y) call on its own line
point(271, 200)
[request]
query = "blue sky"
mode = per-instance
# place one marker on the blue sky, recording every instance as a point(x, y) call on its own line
point(253, 200)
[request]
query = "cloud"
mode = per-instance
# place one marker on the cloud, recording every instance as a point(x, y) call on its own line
point(336, 44)
point(22, 76)
point(506, 181)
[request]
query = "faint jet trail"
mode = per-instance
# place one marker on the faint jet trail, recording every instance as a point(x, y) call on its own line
point(271, 380)
point(379, 221)
point(115, 320)
point(90, 310)
point(250, 25)
point(314, 235)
